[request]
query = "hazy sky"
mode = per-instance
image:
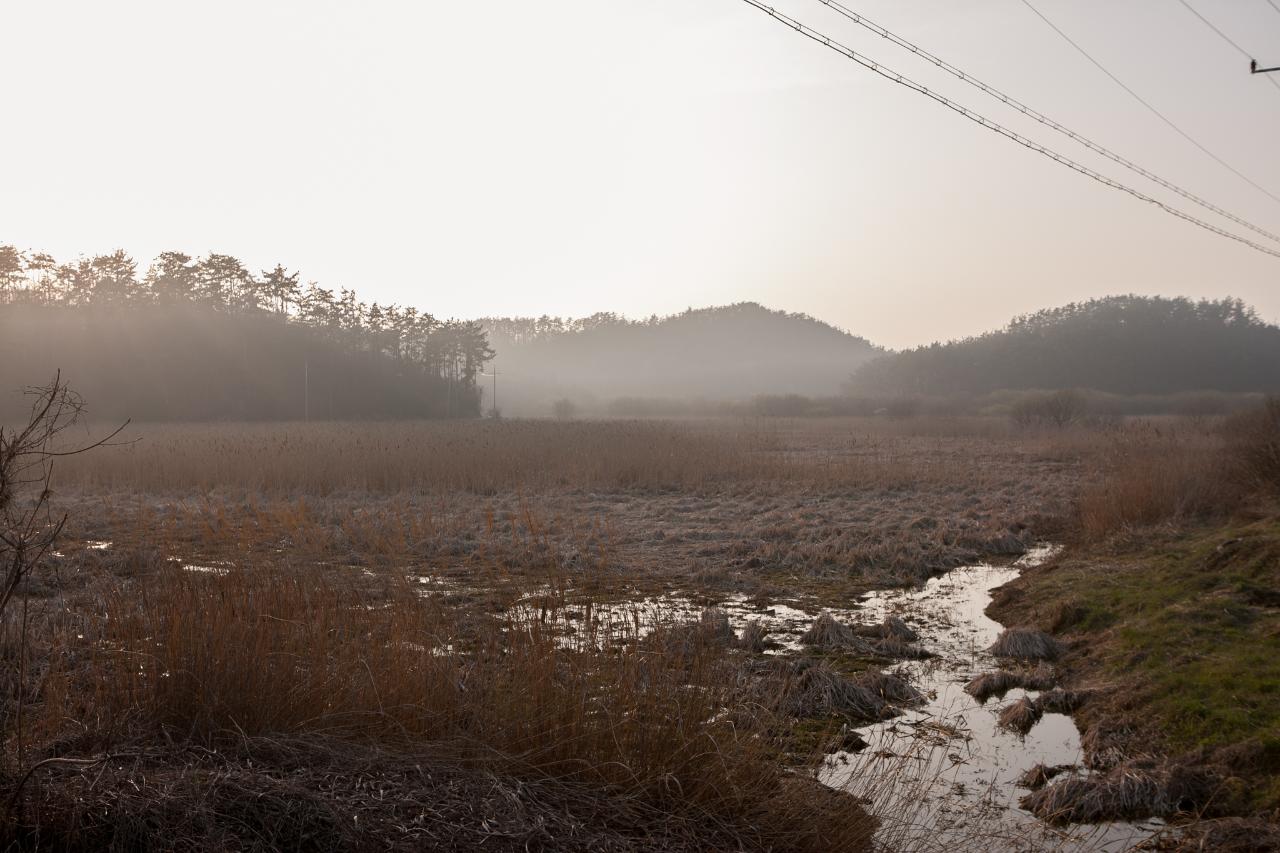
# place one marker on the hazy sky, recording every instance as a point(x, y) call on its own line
point(641, 156)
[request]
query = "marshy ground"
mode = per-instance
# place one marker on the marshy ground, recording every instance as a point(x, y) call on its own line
point(535, 634)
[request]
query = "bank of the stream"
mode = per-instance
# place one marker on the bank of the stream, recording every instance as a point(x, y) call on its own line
point(1176, 634)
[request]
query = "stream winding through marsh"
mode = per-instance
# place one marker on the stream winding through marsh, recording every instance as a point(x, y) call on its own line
point(942, 776)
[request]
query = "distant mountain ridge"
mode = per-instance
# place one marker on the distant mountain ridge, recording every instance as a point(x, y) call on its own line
point(1118, 344)
point(720, 353)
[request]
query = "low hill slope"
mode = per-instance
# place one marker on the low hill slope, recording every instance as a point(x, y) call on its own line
point(1119, 344)
point(722, 353)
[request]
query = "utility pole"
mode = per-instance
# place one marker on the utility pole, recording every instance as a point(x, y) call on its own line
point(1254, 69)
point(494, 376)
point(306, 388)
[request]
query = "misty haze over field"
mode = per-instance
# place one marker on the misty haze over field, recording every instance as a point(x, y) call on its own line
point(643, 426)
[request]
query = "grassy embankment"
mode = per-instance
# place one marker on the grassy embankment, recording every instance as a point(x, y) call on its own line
point(1169, 598)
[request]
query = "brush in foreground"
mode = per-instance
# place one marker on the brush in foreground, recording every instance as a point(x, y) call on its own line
point(206, 665)
point(1026, 644)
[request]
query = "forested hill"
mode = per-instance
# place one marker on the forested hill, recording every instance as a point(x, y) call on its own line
point(722, 353)
point(1120, 344)
point(206, 339)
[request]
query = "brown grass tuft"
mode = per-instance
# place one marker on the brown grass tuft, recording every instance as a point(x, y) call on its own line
point(1026, 644)
point(1002, 681)
point(1021, 716)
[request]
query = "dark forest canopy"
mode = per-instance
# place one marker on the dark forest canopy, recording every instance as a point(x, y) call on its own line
point(204, 339)
point(723, 353)
point(1119, 344)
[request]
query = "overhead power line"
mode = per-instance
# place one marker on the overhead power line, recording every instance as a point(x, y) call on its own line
point(1147, 104)
point(883, 71)
point(1018, 105)
point(1274, 5)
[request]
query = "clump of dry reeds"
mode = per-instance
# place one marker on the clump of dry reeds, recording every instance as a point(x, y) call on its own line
point(1127, 792)
point(813, 688)
point(1002, 681)
point(1061, 701)
point(829, 632)
point(889, 687)
point(1026, 644)
point(1020, 716)
point(752, 638)
point(1040, 775)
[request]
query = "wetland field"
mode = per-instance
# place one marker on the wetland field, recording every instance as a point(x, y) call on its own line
point(723, 633)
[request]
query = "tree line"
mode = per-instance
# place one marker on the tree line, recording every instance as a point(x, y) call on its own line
point(261, 345)
point(1119, 344)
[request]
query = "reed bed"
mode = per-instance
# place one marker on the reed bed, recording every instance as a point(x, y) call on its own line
point(211, 663)
point(491, 456)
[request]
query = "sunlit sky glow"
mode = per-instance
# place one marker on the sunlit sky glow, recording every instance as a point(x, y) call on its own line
point(639, 156)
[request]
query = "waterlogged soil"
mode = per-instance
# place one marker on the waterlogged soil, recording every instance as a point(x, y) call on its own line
point(955, 768)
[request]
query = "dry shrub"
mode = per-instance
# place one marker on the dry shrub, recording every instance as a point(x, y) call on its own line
point(211, 661)
point(1026, 644)
point(1054, 409)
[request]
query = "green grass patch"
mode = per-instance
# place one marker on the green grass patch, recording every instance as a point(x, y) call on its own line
point(1192, 625)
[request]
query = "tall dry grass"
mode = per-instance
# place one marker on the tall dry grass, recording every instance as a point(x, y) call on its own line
point(215, 660)
point(1179, 471)
point(494, 456)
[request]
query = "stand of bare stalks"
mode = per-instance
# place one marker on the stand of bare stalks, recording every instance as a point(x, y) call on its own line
point(268, 682)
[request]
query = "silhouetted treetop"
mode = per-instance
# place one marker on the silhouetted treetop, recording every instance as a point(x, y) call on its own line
point(262, 346)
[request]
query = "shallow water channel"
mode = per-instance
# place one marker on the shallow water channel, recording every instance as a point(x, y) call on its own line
point(942, 775)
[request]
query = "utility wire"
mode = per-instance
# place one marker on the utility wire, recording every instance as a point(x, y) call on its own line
point(1011, 101)
point(883, 71)
point(1146, 104)
point(1246, 54)
point(1273, 5)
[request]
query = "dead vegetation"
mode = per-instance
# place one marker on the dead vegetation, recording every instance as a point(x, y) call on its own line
point(1040, 775)
point(1001, 681)
point(195, 680)
point(1127, 792)
point(1026, 644)
point(807, 689)
point(1020, 716)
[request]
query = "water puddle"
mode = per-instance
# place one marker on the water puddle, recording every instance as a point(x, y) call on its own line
point(953, 770)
